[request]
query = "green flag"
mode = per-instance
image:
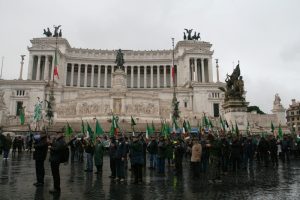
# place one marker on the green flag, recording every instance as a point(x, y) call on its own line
point(232, 129)
point(166, 130)
point(132, 122)
point(82, 127)
point(185, 127)
point(199, 126)
point(206, 121)
point(237, 129)
point(272, 127)
point(98, 129)
point(114, 126)
point(149, 131)
point(175, 124)
point(22, 115)
point(280, 133)
point(90, 131)
point(189, 126)
point(210, 123)
point(226, 123)
point(153, 128)
point(68, 130)
point(222, 123)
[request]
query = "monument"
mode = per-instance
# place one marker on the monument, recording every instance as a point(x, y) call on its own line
point(119, 85)
point(235, 105)
point(96, 83)
point(279, 110)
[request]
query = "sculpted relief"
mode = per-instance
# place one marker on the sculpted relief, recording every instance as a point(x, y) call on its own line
point(82, 109)
point(141, 109)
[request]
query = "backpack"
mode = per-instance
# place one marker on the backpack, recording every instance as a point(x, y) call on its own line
point(65, 155)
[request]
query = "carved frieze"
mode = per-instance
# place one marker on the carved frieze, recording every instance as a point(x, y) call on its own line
point(82, 109)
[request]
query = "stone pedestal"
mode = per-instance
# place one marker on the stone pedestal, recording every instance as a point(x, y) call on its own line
point(236, 112)
point(3, 117)
point(118, 92)
point(279, 110)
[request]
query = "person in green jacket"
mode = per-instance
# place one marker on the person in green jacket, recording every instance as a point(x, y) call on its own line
point(98, 154)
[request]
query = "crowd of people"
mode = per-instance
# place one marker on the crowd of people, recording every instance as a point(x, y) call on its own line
point(209, 154)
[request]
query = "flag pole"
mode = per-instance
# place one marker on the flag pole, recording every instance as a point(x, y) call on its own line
point(55, 58)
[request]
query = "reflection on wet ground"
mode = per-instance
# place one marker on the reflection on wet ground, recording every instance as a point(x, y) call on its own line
point(18, 174)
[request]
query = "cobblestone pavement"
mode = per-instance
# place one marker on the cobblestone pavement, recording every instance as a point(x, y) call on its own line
point(18, 174)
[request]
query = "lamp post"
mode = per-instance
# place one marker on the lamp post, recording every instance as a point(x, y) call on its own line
point(21, 70)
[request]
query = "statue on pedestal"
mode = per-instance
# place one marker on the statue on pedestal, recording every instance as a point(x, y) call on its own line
point(120, 59)
point(189, 36)
point(234, 85)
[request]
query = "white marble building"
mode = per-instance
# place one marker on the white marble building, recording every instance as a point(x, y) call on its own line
point(85, 87)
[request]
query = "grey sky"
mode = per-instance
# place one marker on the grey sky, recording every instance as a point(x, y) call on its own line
point(262, 34)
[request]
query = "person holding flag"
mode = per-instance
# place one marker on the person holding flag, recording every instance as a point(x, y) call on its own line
point(89, 149)
point(99, 152)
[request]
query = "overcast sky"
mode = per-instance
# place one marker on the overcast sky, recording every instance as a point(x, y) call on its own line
point(263, 34)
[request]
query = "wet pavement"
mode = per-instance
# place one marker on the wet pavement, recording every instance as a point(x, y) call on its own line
point(18, 174)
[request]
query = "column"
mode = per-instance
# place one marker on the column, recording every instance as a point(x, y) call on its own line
point(202, 70)
point(78, 75)
point(38, 69)
point(158, 76)
point(92, 78)
point(145, 76)
point(99, 76)
point(196, 69)
point(151, 77)
point(111, 75)
point(209, 67)
point(139, 77)
point(171, 78)
point(165, 76)
point(30, 67)
point(85, 75)
point(132, 68)
point(72, 75)
point(46, 69)
point(66, 74)
point(105, 77)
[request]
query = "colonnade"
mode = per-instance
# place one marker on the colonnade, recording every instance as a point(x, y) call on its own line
point(100, 76)
point(40, 67)
point(199, 70)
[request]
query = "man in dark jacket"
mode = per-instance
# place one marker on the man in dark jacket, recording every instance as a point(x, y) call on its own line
point(161, 155)
point(178, 153)
point(264, 149)
point(7, 142)
point(56, 150)
point(120, 158)
point(39, 155)
point(137, 159)
point(235, 154)
point(274, 151)
point(112, 156)
point(285, 147)
point(152, 149)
